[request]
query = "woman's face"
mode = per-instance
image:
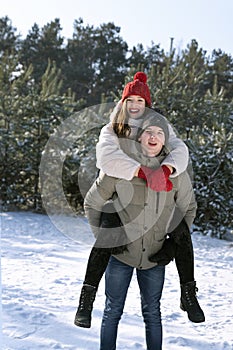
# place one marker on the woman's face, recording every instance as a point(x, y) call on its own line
point(136, 106)
point(152, 141)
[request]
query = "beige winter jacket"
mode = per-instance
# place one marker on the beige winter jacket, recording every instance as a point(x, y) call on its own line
point(145, 214)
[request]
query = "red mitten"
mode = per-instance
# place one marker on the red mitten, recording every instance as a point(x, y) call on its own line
point(157, 180)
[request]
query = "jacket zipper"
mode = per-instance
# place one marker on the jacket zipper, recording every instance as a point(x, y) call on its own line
point(157, 203)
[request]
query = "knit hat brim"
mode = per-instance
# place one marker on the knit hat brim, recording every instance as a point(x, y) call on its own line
point(138, 87)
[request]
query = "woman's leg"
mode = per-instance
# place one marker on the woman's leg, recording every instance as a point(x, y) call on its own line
point(151, 285)
point(117, 279)
point(184, 259)
point(96, 266)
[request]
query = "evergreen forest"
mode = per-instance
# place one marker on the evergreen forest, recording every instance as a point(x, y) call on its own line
point(52, 86)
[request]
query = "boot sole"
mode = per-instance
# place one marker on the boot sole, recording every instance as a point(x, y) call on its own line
point(200, 320)
point(83, 325)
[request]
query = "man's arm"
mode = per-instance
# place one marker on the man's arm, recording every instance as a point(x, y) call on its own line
point(186, 205)
point(178, 157)
point(101, 190)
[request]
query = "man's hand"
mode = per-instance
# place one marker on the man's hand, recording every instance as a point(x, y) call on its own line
point(166, 254)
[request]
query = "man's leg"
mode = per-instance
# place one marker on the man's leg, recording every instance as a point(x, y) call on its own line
point(151, 285)
point(117, 279)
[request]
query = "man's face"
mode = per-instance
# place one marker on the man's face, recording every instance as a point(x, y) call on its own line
point(152, 141)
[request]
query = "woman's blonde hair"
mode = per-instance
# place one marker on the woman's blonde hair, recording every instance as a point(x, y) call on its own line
point(120, 122)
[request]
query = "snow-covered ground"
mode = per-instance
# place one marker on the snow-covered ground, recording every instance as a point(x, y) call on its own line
point(42, 274)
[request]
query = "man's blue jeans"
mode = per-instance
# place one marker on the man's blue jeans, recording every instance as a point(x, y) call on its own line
point(117, 279)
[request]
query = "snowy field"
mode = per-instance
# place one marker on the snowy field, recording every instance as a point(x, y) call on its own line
point(42, 273)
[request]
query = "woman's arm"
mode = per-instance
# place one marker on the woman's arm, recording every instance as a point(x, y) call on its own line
point(110, 157)
point(114, 162)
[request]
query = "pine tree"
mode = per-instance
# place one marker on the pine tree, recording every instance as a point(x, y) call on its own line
point(211, 150)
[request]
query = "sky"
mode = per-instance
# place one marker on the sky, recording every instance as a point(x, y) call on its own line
point(42, 275)
point(209, 22)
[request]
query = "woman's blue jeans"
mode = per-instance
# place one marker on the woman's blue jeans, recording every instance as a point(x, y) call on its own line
point(117, 279)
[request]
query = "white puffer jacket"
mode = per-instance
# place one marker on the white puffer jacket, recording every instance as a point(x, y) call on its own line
point(111, 159)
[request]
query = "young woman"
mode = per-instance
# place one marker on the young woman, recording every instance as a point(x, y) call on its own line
point(112, 159)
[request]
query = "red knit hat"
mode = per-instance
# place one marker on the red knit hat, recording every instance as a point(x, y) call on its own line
point(138, 87)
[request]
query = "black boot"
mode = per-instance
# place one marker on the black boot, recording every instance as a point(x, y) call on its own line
point(189, 302)
point(83, 314)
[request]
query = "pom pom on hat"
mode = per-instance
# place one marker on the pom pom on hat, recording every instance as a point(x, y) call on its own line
point(138, 87)
point(140, 76)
